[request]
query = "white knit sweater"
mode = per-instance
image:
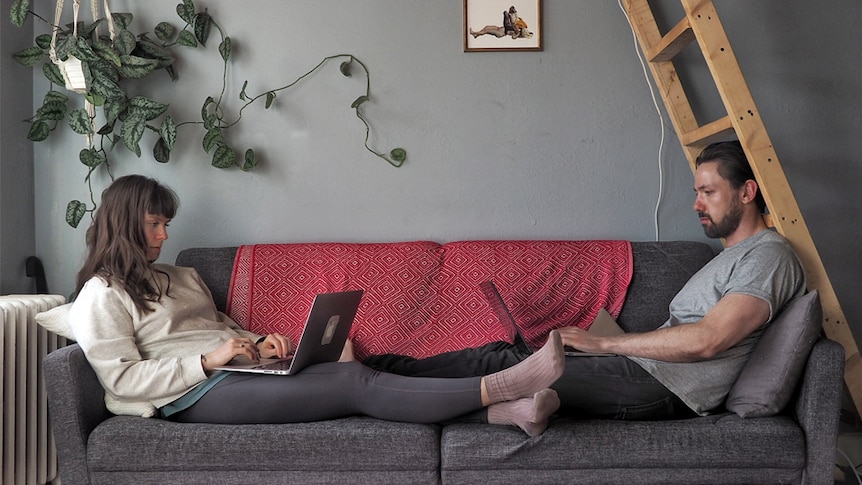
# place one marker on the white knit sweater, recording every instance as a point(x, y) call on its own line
point(147, 360)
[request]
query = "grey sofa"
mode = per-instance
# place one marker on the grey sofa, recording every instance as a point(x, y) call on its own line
point(795, 446)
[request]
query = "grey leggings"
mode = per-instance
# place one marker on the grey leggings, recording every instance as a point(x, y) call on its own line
point(333, 390)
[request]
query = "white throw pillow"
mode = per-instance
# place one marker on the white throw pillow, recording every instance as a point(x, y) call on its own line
point(56, 320)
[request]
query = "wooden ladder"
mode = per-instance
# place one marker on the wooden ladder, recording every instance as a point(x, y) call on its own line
point(702, 25)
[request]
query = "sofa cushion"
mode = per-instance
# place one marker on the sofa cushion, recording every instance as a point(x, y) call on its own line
point(661, 269)
point(610, 451)
point(215, 266)
point(771, 374)
point(127, 449)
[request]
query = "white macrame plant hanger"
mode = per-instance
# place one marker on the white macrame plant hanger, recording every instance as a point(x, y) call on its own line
point(71, 68)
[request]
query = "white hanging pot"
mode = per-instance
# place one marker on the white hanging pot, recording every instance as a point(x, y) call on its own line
point(72, 68)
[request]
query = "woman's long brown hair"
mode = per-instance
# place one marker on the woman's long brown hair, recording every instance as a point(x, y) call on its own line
point(116, 242)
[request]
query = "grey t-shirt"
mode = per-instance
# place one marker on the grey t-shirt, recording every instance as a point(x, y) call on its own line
point(763, 266)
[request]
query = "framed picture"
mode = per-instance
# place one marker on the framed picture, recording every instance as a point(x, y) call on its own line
point(502, 25)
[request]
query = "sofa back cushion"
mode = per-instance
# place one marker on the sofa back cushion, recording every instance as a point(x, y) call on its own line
point(215, 265)
point(661, 269)
point(423, 298)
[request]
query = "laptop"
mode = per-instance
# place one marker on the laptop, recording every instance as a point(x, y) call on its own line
point(603, 325)
point(323, 337)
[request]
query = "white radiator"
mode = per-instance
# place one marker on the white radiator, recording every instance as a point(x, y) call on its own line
point(26, 444)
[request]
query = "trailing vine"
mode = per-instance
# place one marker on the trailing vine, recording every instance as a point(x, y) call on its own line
point(109, 63)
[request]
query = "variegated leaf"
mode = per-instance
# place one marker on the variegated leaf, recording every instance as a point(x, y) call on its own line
point(39, 131)
point(224, 157)
point(29, 56)
point(168, 132)
point(19, 11)
point(133, 130)
point(75, 211)
point(80, 122)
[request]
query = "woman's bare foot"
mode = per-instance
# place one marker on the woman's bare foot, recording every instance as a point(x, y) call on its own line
point(347, 352)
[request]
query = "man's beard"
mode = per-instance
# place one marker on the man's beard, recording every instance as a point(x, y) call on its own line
point(728, 224)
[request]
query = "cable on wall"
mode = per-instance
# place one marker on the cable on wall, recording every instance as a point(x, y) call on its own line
point(660, 119)
point(850, 469)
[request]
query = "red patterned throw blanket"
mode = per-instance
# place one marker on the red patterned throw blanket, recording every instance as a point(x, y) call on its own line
point(422, 298)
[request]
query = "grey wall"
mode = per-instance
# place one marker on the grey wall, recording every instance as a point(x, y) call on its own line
point(17, 237)
point(562, 143)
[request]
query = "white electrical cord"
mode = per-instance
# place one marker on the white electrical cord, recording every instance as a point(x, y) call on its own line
point(660, 119)
point(850, 462)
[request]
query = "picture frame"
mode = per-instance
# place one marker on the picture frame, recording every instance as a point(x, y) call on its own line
point(502, 25)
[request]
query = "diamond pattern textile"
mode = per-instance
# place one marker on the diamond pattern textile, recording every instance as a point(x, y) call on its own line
point(423, 298)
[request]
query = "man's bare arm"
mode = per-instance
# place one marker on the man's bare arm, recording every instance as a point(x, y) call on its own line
point(732, 319)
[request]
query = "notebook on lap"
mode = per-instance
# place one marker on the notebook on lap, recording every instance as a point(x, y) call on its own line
point(323, 337)
point(604, 323)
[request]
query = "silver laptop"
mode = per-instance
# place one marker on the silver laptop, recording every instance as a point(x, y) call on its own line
point(603, 325)
point(323, 337)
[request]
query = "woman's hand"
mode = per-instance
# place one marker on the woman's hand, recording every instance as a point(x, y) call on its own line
point(228, 350)
point(275, 345)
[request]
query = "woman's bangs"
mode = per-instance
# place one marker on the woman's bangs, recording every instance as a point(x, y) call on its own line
point(163, 202)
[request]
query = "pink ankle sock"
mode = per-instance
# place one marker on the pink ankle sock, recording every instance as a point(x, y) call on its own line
point(531, 414)
point(533, 374)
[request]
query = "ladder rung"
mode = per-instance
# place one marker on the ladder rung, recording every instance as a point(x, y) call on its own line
point(677, 39)
point(719, 130)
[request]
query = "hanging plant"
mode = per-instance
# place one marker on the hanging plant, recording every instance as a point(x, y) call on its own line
point(105, 66)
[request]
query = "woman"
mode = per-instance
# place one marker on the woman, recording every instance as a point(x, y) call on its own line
point(153, 335)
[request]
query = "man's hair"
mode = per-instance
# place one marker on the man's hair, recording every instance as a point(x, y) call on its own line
point(733, 166)
point(116, 241)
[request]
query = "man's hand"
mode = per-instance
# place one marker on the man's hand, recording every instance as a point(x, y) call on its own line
point(275, 346)
point(732, 319)
point(582, 340)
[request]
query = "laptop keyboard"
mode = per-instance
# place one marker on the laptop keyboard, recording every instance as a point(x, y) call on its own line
point(280, 365)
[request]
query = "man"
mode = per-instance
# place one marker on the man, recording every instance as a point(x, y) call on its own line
point(688, 365)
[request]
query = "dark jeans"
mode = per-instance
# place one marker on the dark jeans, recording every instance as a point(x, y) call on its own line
point(477, 361)
point(611, 387)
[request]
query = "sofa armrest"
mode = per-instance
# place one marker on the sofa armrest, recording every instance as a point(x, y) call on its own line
point(818, 409)
point(76, 405)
